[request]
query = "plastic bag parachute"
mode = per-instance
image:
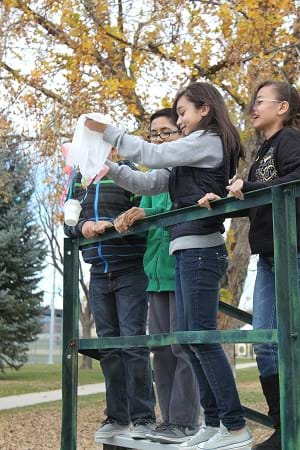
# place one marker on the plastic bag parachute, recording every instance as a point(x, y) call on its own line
point(87, 153)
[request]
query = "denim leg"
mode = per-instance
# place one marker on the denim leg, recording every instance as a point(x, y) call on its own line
point(264, 314)
point(200, 272)
point(103, 305)
point(207, 398)
point(131, 301)
point(164, 362)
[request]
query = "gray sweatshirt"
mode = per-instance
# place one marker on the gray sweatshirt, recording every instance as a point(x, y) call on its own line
point(199, 149)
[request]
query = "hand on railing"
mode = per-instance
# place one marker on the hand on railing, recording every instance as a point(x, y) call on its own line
point(102, 225)
point(235, 189)
point(204, 202)
point(127, 219)
point(91, 229)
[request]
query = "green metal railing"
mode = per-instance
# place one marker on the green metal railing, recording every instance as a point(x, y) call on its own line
point(282, 198)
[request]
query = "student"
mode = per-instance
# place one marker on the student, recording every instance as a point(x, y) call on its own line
point(201, 162)
point(176, 384)
point(119, 305)
point(275, 112)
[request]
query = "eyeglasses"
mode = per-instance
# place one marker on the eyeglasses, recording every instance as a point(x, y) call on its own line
point(162, 135)
point(259, 101)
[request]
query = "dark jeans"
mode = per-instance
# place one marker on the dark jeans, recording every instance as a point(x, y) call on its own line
point(198, 275)
point(119, 305)
point(264, 314)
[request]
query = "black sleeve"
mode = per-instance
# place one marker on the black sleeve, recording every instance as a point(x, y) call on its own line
point(74, 232)
point(287, 161)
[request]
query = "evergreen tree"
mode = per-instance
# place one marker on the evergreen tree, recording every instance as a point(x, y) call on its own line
point(22, 253)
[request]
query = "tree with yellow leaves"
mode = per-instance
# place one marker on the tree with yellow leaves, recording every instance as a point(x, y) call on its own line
point(59, 59)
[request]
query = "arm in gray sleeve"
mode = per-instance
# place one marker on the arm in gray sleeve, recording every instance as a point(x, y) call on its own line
point(144, 183)
point(199, 149)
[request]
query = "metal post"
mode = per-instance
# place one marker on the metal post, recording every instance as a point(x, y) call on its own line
point(70, 345)
point(52, 320)
point(288, 313)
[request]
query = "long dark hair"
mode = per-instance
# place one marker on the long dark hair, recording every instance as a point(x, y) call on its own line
point(284, 92)
point(216, 121)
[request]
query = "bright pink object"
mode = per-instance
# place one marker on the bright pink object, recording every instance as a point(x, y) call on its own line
point(102, 172)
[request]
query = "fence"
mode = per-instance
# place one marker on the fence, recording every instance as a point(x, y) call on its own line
point(283, 202)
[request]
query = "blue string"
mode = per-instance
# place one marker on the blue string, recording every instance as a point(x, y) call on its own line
point(70, 192)
point(97, 218)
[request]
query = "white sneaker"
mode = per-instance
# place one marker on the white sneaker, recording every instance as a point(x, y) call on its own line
point(109, 428)
point(203, 435)
point(225, 440)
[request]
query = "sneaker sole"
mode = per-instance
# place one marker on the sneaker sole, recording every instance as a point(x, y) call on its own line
point(110, 435)
point(237, 446)
point(198, 444)
point(138, 436)
point(168, 440)
point(149, 436)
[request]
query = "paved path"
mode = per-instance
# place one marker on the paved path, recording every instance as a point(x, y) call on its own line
point(245, 365)
point(18, 401)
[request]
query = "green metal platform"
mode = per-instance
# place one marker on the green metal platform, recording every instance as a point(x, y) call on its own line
point(282, 198)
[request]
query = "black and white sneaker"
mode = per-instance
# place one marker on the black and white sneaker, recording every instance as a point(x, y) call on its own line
point(110, 427)
point(174, 433)
point(141, 428)
point(159, 428)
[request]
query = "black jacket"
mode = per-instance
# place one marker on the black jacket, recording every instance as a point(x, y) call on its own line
point(189, 184)
point(277, 161)
point(105, 200)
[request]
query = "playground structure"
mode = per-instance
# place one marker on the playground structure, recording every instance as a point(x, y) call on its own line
point(283, 200)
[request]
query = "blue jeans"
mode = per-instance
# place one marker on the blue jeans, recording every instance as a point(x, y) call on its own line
point(119, 305)
point(198, 275)
point(264, 314)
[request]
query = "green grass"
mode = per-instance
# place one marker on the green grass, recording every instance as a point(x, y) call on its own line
point(247, 375)
point(42, 377)
point(38, 378)
point(244, 360)
point(249, 387)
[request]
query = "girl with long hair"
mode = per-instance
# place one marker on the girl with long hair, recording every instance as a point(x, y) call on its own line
point(202, 161)
point(274, 112)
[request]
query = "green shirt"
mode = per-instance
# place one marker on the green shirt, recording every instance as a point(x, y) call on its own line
point(159, 266)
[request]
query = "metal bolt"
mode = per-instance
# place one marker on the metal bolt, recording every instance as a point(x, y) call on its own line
point(293, 335)
point(69, 356)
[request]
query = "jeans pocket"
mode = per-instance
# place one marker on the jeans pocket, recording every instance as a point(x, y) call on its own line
point(191, 254)
point(222, 264)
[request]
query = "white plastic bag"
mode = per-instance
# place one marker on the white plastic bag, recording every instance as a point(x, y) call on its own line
point(88, 150)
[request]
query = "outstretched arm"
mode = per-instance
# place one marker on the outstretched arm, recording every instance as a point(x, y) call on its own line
point(144, 183)
point(199, 149)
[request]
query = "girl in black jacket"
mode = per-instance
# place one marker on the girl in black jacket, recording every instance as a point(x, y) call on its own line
point(275, 112)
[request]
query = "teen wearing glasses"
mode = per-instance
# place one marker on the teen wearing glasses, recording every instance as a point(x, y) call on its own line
point(275, 112)
point(162, 135)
